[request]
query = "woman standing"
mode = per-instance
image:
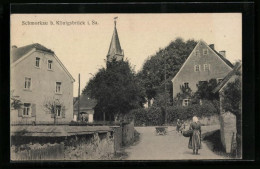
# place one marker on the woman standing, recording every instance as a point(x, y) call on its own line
point(195, 139)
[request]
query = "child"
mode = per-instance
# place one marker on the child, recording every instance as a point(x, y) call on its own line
point(182, 126)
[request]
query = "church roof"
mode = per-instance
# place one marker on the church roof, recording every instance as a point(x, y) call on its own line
point(115, 47)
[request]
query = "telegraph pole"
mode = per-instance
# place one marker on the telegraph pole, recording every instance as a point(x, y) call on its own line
point(79, 100)
point(165, 87)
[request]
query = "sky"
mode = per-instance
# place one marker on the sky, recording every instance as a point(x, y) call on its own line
point(83, 48)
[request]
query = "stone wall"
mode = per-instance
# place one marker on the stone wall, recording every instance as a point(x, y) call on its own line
point(227, 130)
point(91, 147)
point(118, 137)
point(94, 146)
point(128, 133)
point(207, 121)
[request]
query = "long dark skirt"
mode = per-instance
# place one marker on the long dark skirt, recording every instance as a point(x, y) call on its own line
point(195, 142)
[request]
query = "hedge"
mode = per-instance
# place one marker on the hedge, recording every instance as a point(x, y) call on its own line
point(154, 115)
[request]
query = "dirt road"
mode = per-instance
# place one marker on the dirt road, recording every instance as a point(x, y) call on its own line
point(169, 147)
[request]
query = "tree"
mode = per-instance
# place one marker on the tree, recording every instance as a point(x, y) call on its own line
point(52, 106)
point(16, 103)
point(116, 89)
point(152, 73)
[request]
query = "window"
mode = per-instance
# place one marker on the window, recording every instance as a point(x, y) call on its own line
point(37, 62)
point(27, 83)
point(219, 80)
point(186, 85)
point(197, 53)
point(197, 68)
point(50, 64)
point(58, 111)
point(206, 67)
point(185, 102)
point(26, 109)
point(205, 51)
point(58, 87)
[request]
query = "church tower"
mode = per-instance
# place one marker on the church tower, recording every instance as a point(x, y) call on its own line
point(115, 51)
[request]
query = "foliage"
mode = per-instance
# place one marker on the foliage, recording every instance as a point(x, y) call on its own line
point(15, 101)
point(50, 105)
point(149, 117)
point(116, 89)
point(172, 57)
point(187, 112)
point(232, 95)
point(205, 89)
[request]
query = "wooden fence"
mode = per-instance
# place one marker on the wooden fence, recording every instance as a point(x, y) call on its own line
point(55, 152)
point(18, 123)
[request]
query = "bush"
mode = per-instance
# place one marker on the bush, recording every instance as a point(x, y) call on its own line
point(150, 117)
point(154, 115)
point(207, 109)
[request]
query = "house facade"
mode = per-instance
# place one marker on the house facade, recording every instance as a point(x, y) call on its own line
point(38, 77)
point(204, 63)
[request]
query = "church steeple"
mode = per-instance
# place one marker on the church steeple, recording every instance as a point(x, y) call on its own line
point(115, 51)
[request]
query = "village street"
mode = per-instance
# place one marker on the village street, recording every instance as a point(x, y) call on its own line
point(172, 146)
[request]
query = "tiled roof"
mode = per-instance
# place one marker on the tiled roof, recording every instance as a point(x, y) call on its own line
point(17, 53)
point(85, 102)
point(227, 77)
point(224, 59)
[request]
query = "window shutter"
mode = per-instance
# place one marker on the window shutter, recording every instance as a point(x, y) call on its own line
point(33, 110)
point(20, 112)
point(63, 112)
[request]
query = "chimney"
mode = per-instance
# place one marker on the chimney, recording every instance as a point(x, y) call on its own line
point(223, 53)
point(212, 46)
point(14, 47)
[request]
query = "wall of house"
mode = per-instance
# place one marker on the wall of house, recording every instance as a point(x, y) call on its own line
point(89, 114)
point(218, 69)
point(43, 86)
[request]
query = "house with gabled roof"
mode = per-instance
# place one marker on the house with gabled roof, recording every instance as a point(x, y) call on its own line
point(203, 63)
point(85, 107)
point(38, 76)
point(228, 120)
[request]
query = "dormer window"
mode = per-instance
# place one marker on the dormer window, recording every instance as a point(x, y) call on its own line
point(205, 51)
point(37, 62)
point(49, 64)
